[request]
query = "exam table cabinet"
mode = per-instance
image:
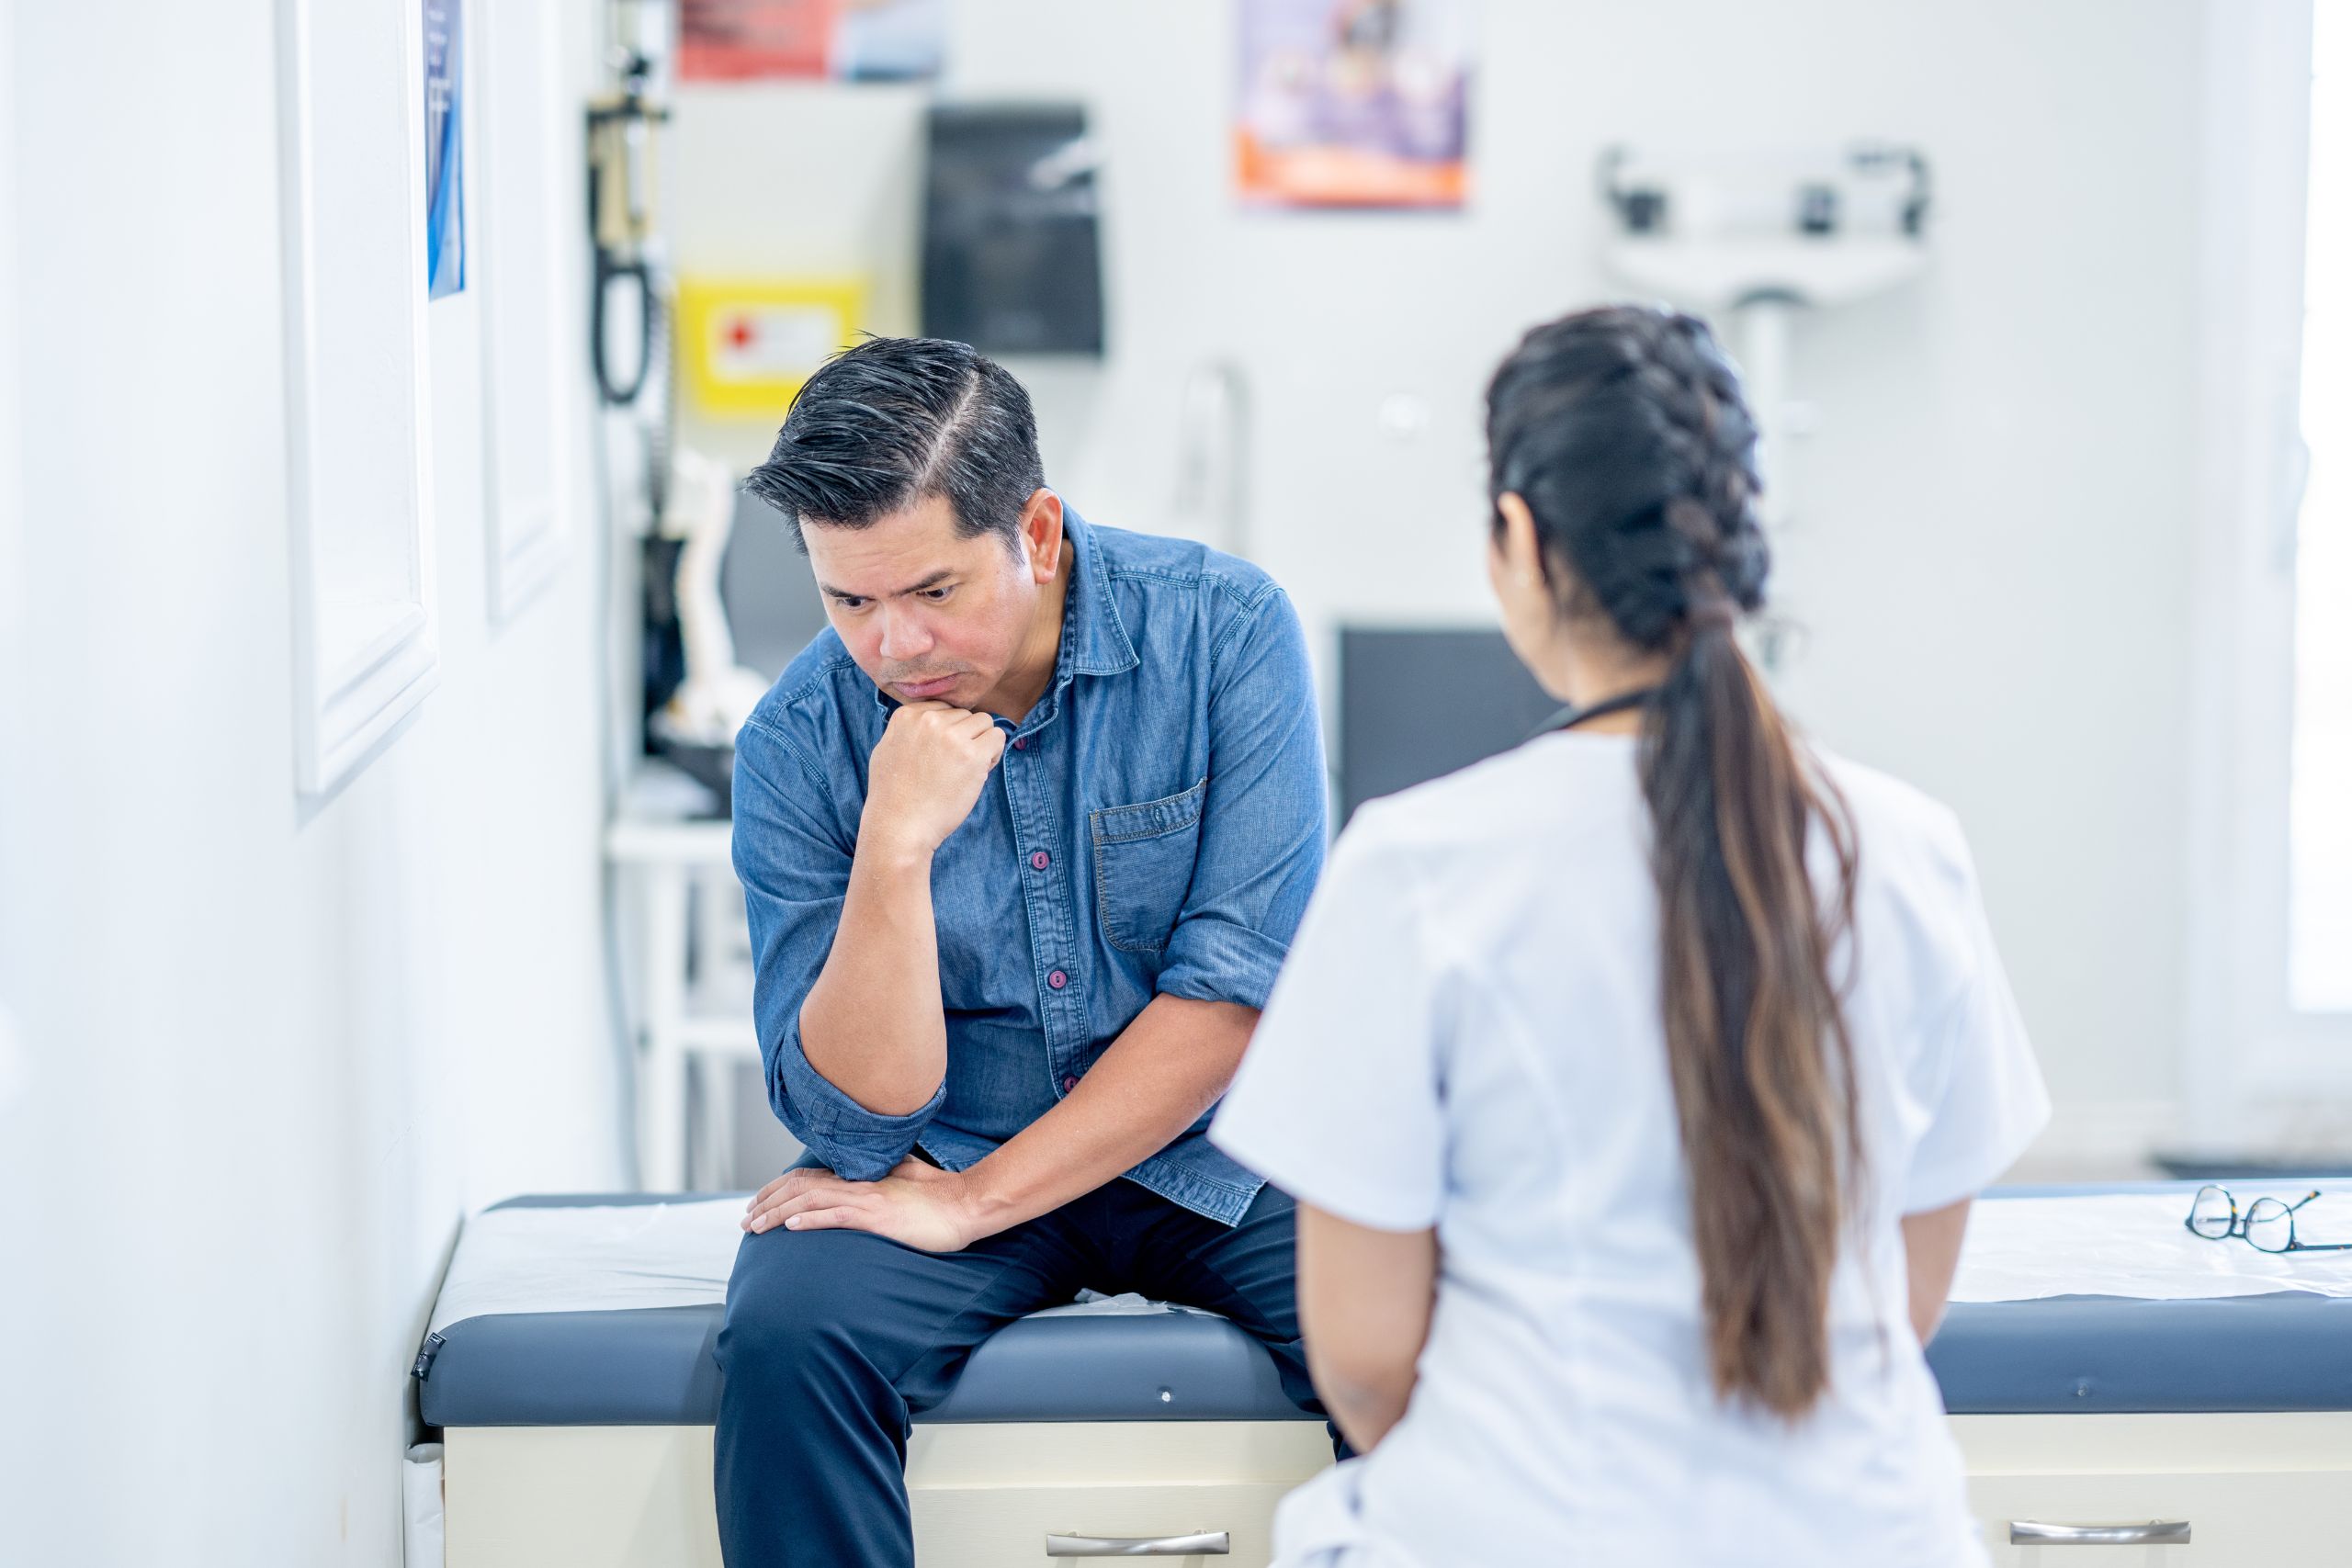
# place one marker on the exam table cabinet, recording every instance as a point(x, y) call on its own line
point(2259, 1490)
point(581, 1439)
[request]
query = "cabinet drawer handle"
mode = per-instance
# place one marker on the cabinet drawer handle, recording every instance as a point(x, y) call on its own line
point(1217, 1544)
point(2155, 1532)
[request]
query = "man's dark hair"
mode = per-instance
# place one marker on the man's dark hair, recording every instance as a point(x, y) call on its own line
point(895, 420)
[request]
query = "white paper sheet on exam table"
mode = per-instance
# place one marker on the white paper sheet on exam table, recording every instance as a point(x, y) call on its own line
point(616, 1256)
point(607, 1257)
point(2136, 1245)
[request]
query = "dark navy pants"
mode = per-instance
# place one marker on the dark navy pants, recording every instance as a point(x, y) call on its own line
point(835, 1338)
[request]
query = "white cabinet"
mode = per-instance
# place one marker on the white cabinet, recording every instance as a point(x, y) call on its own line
point(983, 1495)
point(2255, 1491)
point(2251, 1491)
point(986, 1495)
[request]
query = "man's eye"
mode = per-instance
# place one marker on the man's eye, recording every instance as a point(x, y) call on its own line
point(846, 602)
point(937, 595)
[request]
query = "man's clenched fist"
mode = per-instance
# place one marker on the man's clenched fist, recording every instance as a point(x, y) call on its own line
point(926, 773)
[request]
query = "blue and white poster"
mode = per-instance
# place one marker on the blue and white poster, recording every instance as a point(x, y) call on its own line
point(444, 206)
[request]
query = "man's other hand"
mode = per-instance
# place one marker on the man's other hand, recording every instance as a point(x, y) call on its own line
point(917, 1204)
point(926, 773)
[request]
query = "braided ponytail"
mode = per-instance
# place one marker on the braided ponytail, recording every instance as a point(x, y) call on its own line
point(1623, 431)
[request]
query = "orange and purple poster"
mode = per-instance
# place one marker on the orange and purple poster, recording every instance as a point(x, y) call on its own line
point(1354, 103)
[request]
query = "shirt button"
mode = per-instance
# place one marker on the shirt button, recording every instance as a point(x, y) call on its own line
point(1057, 979)
point(1021, 743)
point(1069, 1084)
point(1041, 860)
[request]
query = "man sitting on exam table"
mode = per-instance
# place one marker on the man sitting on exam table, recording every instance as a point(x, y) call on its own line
point(1023, 837)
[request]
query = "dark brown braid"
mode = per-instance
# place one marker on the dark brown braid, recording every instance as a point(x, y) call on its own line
point(1624, 432)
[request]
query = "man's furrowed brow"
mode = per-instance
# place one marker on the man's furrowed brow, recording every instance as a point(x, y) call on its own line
point(933, 581)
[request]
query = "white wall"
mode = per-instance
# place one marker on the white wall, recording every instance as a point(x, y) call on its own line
point(276, 1054)
point(1993, 553)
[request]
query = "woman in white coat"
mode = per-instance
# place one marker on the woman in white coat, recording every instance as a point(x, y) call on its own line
point(1634, 1084)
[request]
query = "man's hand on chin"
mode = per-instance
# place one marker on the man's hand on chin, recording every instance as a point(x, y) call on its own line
point(917, 1204)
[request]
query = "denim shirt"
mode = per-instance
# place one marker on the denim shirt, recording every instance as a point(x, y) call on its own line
point(1154, 830)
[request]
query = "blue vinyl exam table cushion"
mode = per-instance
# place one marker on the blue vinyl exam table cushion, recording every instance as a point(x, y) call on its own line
point(653, 1366)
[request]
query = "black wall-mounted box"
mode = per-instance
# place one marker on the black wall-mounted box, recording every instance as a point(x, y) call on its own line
point(1012, 250)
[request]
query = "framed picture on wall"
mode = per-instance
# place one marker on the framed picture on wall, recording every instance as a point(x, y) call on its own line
point(352, 216)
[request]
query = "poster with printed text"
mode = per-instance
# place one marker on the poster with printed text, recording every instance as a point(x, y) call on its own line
point(444, 208)
point(847, 41)
point(1354, 103)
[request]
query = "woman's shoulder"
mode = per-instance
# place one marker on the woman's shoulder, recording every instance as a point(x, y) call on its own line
point(1906, 837)
point(1919, 902)
point(1552, 792)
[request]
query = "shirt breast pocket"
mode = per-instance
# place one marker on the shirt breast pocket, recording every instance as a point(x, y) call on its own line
point(1143, 867)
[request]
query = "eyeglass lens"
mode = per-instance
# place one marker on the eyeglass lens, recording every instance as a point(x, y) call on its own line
point(2213, 1216)
point(2269, 1224)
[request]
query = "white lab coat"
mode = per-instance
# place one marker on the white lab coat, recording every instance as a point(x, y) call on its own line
point(1468, 1036)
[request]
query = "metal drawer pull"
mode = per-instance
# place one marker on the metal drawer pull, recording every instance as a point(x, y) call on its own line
point(1217, 1544)
point(2155, 1532)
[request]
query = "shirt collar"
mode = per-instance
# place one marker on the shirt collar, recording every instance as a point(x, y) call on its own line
point(1094, 638)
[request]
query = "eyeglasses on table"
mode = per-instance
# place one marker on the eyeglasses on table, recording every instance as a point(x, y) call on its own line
point(2268, 1224)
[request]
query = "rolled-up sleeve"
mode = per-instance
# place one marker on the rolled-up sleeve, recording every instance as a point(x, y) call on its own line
point(1262, 823)
point(794, 863)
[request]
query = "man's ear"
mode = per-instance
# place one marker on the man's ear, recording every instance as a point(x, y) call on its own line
point(1042, 538)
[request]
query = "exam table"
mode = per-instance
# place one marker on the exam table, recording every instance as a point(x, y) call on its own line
point(568, 1366)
